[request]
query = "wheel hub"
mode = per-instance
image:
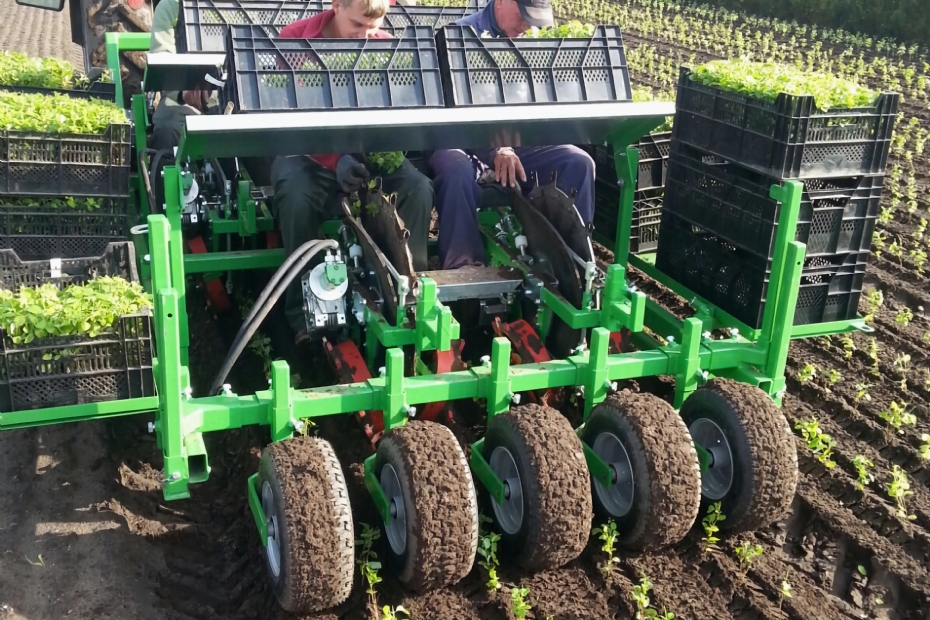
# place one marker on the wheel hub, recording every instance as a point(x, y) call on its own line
point(396, 527)
point(618, 499)
point(273, 546)
point(718, 479)
point(509, 514)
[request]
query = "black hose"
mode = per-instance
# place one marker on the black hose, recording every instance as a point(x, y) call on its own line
point(270, 295)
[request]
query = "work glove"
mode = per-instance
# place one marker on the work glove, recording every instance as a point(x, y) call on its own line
point(350, 174)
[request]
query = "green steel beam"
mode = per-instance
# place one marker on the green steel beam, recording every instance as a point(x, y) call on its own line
point(117, 42)
point(220, 226)
point(255, 505)
point(378, 496)
point(233, 261)
point(626, 160)
point(831, 328)
point(485, 475)
point(77, 413)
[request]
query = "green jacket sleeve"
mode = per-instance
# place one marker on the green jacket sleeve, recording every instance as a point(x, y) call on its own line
point(164, 21)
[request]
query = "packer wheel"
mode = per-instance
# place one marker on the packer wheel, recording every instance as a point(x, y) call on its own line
point(310, 554)
point(545, 520)
point(433, 532)
point(754, 464)
point(657, 490)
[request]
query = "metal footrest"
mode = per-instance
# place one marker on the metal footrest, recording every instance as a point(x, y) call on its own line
point(474, 282)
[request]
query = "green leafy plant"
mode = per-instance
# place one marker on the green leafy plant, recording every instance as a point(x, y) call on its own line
point(848, 346)
point(904, 317)
point(641, 596)
point(710, 521)
point(862, 466)
point(17, 69)
point(898, 489)
point(368, 561)
point(608, 536)
point(89, 309)
point(897, 416)
point(394, 613)
point(807, 373)
point(747, 552)
point(875, 299)
point(925, 447)
point(518, 602)
point(785, 591)
point(386, 163)
point(820, 443)
point(862, 393)
point(487, 549)
point(573, 29)
point(833, 376)
point(767, 80)
point(66, 202)
point(57, 113)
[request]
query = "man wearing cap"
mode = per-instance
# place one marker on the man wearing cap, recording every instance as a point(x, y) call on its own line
point(456, 171)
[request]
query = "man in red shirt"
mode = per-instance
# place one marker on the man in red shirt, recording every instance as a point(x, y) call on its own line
point(305, 187)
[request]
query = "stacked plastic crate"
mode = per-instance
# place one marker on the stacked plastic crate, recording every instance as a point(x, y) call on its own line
point(719, 221)
point(63, 220)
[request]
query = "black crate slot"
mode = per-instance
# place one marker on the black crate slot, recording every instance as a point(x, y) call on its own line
point(737, 281)
point(837, 215)
point(647, 215)
point(653, 161)
point(43, 233)
point(202, 24)
point(480, 71)
point(268, 74)
point(72, 370)
point(788, 139)
point(49, 164)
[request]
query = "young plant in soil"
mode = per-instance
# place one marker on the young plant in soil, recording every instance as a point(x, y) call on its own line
point(714, 516)
point(747, 552)
point(518, 602)
point(898, 489)
point(807, 373)
point(368, 562)
point(862, 393)
point(487, 549)
point(785, 591)
point(875, 300)
point(848, 346)
point(862, 466)
point(925, 447)
point(873, 354)
point(833, 377)
point(897, 416)
point(820, 443)
point(608, 536)
point(394, 613)
point(919, 256)
point(641, 597)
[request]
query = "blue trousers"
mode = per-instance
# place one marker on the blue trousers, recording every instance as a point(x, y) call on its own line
point(455, 178)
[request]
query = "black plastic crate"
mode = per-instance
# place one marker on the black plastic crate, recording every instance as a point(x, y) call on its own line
point(71, 370)
point(44, 233)
point(96, 90)
point(788, 139)
point(202, 24)
point(50, 164)
point(647, 214)
point(737, 281)
point(478, 71)
point(837, 213)
point(266, 74)
point(653, 161)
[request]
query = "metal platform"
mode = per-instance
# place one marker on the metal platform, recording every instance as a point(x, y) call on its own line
point(474, 282)
point(367, 131)
point(167, 71)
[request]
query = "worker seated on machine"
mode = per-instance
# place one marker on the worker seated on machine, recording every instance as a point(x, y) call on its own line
point(456, 172)
point(174, 106)
point(306, 187)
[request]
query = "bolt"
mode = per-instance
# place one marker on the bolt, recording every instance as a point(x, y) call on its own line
point(382, 371)
point(187, 392)
point(706, 335)
point(298, 425)
point(734, 332)
point(486, 360)
point(227, 389)
point(147, 258)
point(671, 339)
point(151, 426)
point(412, 412)
point(515, 399)
point(611, 385)
point(175, 476)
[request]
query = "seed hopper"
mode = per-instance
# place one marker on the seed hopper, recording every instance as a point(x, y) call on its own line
point(563, 322)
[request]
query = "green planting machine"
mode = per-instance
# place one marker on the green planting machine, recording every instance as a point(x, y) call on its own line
point(563, 323)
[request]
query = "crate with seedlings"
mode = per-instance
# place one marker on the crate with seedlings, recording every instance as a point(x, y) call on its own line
point(784, 122)
point(73, 331)
point(22, 73)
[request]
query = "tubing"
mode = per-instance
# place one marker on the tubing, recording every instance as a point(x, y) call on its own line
point(293, 266)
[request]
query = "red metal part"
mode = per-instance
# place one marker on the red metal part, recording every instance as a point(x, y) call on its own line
point(444, 361)
point(528, 348)
point(216, 292)
point(350, 367)
point(621, 341)
point(272, 239)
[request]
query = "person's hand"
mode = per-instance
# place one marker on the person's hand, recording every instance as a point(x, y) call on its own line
point(197, 99)
point(508, 168)
point(350, 174)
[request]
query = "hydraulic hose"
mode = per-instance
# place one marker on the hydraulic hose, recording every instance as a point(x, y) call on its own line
point(292, 267)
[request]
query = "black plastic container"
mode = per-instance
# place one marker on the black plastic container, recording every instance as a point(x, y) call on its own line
point(478, 71)
point(837, 213)
point(50, 164)
point(647, 215)
point(788, 139)
point(202, 24)
point(653, 161)
point(43, 233)
point(72, 370)
point(737, 281)
point(266, 74)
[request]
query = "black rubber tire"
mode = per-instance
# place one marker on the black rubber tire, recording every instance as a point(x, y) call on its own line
point(555, 482)
point(666, 472)
point(440, 502)
point(317, 539)
point(765, 460)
